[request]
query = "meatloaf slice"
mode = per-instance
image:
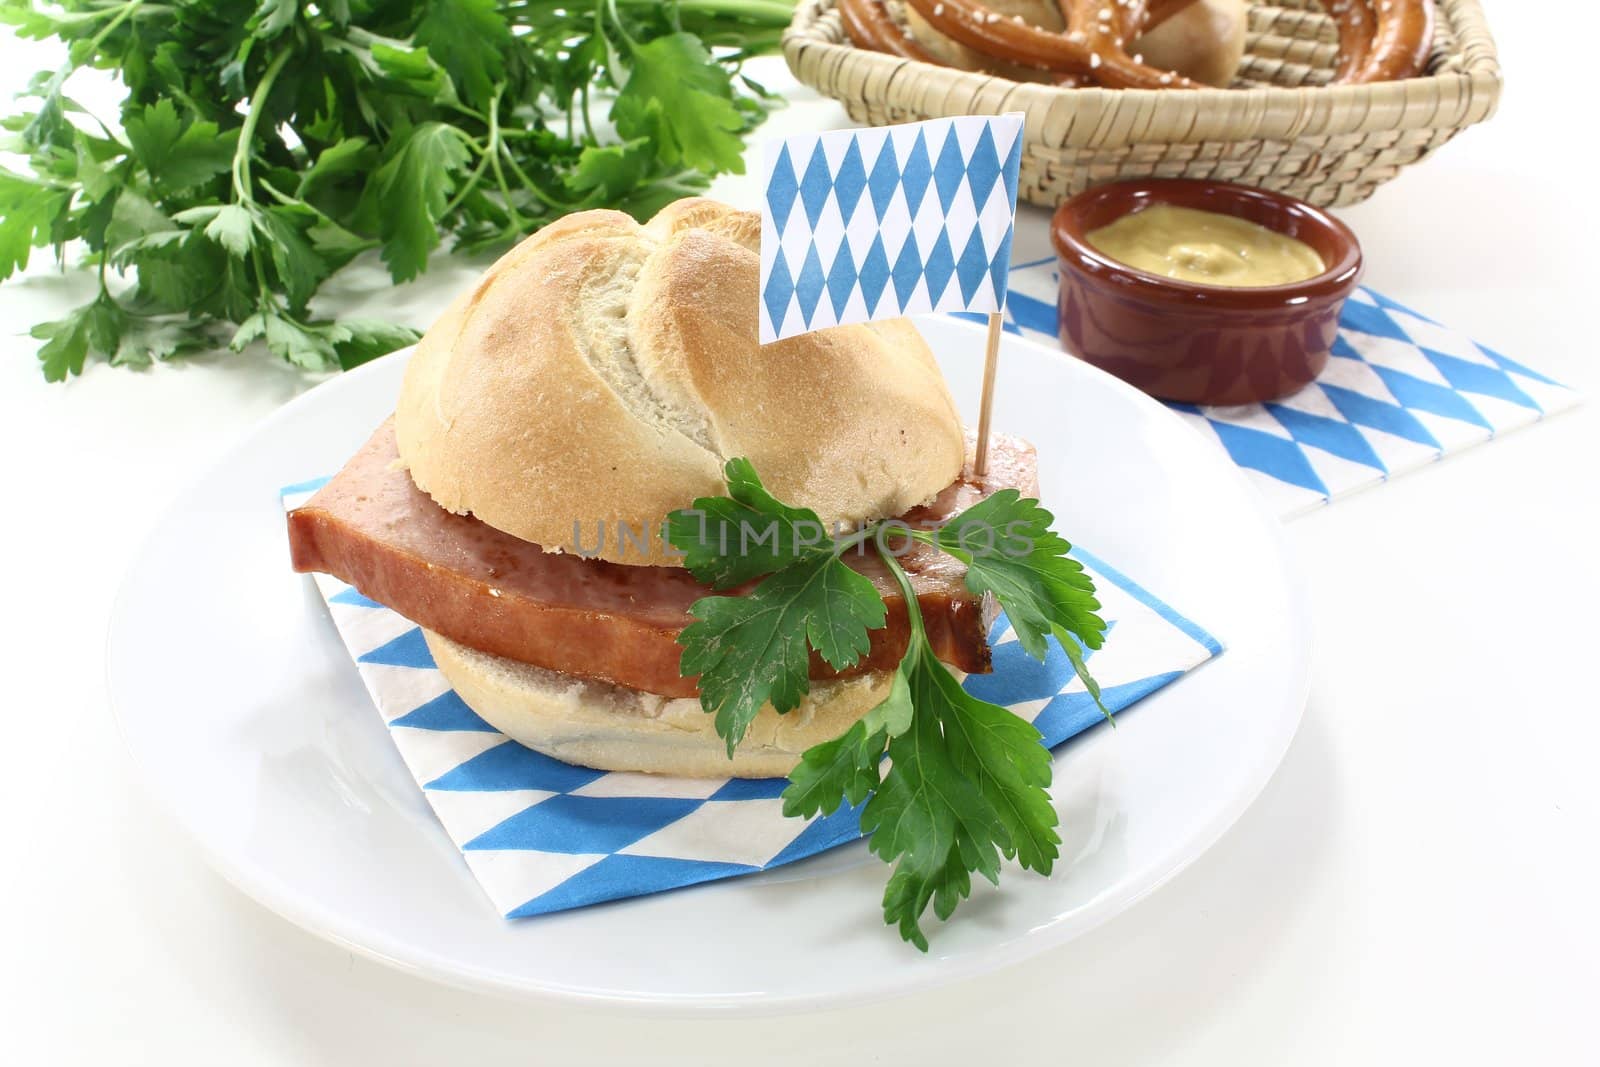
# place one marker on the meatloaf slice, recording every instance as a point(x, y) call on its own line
point(372, 527)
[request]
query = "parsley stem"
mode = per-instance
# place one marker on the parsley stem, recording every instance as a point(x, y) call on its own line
point(588, 121)
point(919, 635)
point(483, 158)
point(247, 132)
point(100, 275)
point(845, 544)
point(491, 152)
point(616, 21)
point(118, 13)
point(242, 193)
point(121, 16)
point(528, 183)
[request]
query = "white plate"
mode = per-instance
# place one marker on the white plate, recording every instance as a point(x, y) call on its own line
point(249, 721)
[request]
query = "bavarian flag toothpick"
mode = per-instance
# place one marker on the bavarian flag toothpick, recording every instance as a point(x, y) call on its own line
point(877, 223)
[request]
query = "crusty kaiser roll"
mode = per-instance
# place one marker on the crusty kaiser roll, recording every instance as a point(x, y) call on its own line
point(612, 728)
point(603, 371)
point(1203, 41)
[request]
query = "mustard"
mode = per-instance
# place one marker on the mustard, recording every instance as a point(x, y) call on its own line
point(1205, 247)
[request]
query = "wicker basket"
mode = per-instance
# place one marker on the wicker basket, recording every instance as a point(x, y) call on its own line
point(1280, 127)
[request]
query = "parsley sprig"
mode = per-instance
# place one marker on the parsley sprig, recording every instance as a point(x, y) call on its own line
point(966, 782)
point(262, 145)
point(752, 650)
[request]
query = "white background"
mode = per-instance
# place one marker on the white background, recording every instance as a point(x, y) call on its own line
point(1417, 884)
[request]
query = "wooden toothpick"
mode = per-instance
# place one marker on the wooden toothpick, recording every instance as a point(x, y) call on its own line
point(991, 357)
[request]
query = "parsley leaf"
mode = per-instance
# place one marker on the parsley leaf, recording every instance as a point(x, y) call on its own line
point(414, 183)
point(177, 153)
point(159, 337)
point(298, 267)
point(729, 540)
point(177, 274)
point(28, 209)
point(469, 39)
point(754, 649)
point(612, 170)
point(680, 98)
point(342, 159)
point(67, 341)
point(846, 768)
point(1010, 550)
point(229, 225)
point(272, 17)
point(368, 339)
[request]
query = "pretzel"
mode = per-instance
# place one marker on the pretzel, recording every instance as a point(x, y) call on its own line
point(870, 27)
point(1132, 17)
point(1355, 25)
point(1097, 56)
point(1107, 27)
point(1398, 46)
point(1076, 58)
point(1379, 40)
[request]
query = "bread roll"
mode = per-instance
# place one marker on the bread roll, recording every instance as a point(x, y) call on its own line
point(603, 371)
point(1041, 13)
point(609, 727)
point(1203, 41)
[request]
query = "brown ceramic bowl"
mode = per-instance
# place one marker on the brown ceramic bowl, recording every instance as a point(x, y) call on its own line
point(1201, 344)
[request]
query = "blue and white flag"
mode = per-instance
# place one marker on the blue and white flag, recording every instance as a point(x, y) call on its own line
point(897, 220)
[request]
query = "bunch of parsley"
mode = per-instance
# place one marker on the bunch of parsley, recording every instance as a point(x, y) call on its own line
point(264, 144)
point(967, 782)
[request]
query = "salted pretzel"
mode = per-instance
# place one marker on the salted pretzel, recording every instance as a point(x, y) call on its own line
point(1355, 23)
point(1106, 29)
point(1096, 55)
point(1379, 40)
point(869, 26)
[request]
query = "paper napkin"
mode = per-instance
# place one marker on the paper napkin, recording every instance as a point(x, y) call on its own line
point(1400, 392)
point(543, 836)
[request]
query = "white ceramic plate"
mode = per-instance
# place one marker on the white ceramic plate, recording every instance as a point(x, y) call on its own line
point(248, 719)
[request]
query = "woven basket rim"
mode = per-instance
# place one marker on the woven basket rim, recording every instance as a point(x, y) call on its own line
point(1465, 93)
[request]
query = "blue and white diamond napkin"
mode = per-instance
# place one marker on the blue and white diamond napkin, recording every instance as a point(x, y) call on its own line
point(888, 221)
point(543, 836)
point(1400, 392)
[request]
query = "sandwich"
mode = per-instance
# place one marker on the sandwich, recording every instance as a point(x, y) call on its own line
point(636, 539)
point(594, 382)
